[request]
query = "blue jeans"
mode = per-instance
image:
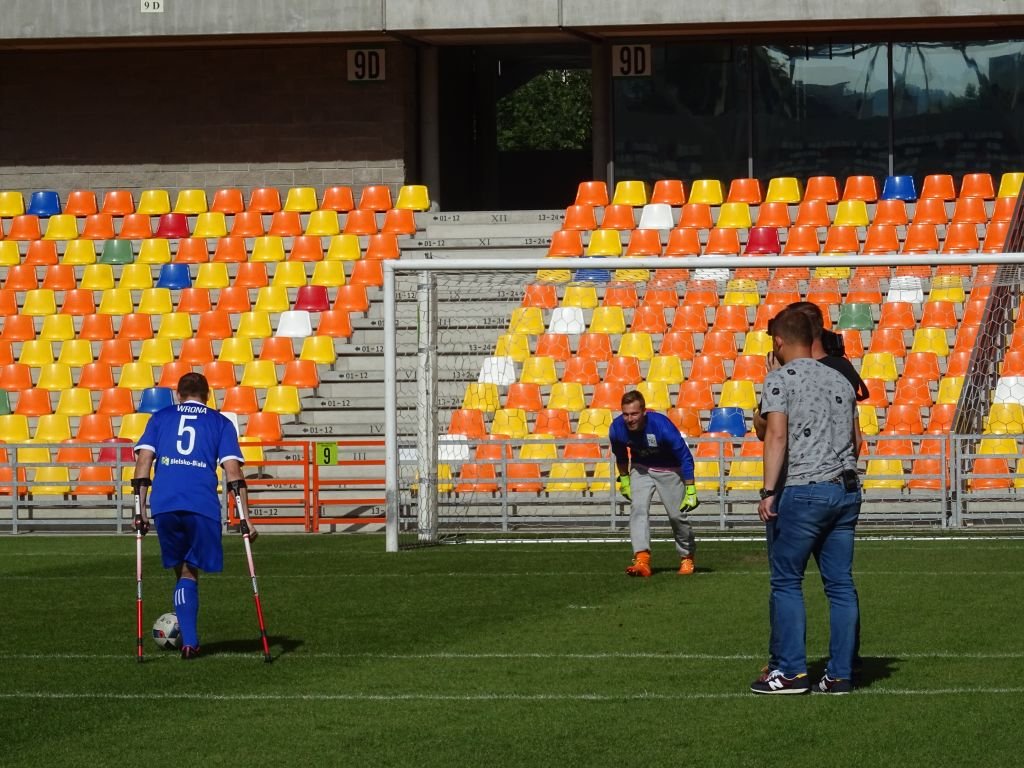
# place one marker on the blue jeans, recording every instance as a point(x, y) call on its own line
point(819, 520)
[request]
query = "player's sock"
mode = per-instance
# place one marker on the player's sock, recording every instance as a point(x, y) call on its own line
point(186, 606)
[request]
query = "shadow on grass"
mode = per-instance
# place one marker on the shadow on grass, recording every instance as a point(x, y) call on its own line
point(280, 645)
point(870, 671)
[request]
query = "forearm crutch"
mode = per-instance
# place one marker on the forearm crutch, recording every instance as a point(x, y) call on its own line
point(235, 488)
point(141, 529)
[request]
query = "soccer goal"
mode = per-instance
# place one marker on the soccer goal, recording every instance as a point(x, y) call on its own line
point(503, 378)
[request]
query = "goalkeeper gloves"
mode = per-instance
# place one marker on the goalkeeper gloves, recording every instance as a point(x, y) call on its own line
point(690, 500)
point(624, 487)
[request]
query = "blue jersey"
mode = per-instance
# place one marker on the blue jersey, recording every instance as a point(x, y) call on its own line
point(189, 441)
point(659, 445)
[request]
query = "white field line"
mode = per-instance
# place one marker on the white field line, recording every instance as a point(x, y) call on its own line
point(616, 574)
point(475, 697)
point(509, 656)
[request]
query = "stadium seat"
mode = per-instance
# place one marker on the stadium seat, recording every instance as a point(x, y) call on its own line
point(259, 374)
point(553, 344)
point(583, 369)
point(96, 376)
point(279, 349)
point(75, 353)
point(861, 188)
point(973, 185)
point(592, 193)
point(376, 198)
point(851, 213)
point(269, 248)
point(722, 242)
point(12, 203)
point(155, 399)
point(734, 216)
point(320, 349)
point(254, 325)
point(98, 226)
point(171, 373)
point(899, 188)
point(236, 351)
point(656, 395)
point(172, 226)
point(623, 370)
point(738, 394)
point(352, 298)
point(94, 427)
point(210, 224)
point(228, 201)
point(24, 228)
point(665, 369)
point(54, 377)
point(220, 374)
point(194, 250)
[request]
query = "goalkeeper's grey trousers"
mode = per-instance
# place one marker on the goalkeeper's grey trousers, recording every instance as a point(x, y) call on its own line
point(670, 490)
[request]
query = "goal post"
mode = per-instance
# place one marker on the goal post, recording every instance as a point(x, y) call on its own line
point(447, 336)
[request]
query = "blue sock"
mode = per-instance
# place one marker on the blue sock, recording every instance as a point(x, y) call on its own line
point(186, 606)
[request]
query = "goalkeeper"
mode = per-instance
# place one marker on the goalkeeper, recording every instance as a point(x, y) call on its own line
point(650, 454)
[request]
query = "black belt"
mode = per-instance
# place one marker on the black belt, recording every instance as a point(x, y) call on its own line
point(837, 480)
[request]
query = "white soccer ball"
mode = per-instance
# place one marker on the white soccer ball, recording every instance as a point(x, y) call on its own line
point(166, 632)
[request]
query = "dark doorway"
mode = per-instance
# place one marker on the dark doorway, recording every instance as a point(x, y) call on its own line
point(515, 126)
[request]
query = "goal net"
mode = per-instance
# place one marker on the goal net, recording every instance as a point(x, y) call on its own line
point(502, 380)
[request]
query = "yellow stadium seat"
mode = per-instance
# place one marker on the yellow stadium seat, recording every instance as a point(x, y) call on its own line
point(884, 474)
point(154, 202)
point(567, 396)
point(268, 248)
point(481, 396)
point(528, 320)
point(851, 213)
point(97, 277)
point(594, 421)
point(175, 325)
point(10, 255)
point(1005, 419)
point(638, 345)
point(343, 248)
point(116, 301)
point(135, 277)
point(212, 275)
point(51, 481)
point(757, 343)
point(74, 401)
point(738, 394)
point(329, 274)
point(567, 477)
point(707, 474)
point(191, 202)
point(947, 288)
point(12, 203)
point(929, 340)
point(62, 226)
point(236, 351)
point(879, 365)
point(706, 191)
point(631, 192)
point(254, 325)
point(154, 250)
point(282, 399)
point(290, 274)
point(156, 351)
point(745, 474)
point(52, 428)
point(734, 216)
point(510, 422)
point(949, 389)
point(272, 298)
point(211, 224)
point(413, 197)
point(655, 394)
point(54, 377)
point(867, 417)
point(784, 189)
point(582, 295)
point(301, 199)
point(610, 320)
point(132, 426)
point(514, 345)
point(539, 370)
point(665, 369)
point(136, 376)
point(319, 349)
point(323, 224)
point(36, 353)
point(39, 302)
point(79, 253)
point(604, 242)
point(76, 353)
point(57, 328)
point(261, 374)
point(14, 428)
point(155, 301)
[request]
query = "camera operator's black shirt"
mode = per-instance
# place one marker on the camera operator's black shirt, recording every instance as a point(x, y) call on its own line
point(845, 367)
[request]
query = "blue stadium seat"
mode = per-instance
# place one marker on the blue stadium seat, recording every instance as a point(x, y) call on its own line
point(899, 188)
point(155, 399)
point(593, 275)
point(729, 420)
point(44, 204)
point(174, 276)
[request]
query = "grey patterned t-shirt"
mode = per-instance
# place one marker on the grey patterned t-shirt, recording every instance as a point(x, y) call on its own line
point(820, 407)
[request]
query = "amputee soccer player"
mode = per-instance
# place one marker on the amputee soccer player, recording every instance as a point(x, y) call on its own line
point(650, 454)
point(185, 443)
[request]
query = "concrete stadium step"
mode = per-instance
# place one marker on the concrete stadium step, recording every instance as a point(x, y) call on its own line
point(551, 218)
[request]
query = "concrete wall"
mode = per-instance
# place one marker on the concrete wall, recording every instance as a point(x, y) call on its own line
point(169, 117)
point(45, 19)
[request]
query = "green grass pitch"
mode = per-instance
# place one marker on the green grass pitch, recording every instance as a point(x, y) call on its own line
point(502, 655)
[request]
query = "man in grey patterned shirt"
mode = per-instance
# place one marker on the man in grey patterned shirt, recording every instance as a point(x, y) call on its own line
point(812, 496)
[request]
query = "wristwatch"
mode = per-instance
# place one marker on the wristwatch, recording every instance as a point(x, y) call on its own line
point(765, 493)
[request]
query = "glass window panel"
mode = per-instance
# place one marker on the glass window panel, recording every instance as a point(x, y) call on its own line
point(957, 107)
point(820, 110)
point(688, 120)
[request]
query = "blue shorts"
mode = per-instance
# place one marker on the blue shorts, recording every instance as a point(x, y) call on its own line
point(186, 537)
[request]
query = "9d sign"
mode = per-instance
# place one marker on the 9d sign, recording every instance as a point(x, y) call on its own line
point(366, 64)
point(631, 61)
